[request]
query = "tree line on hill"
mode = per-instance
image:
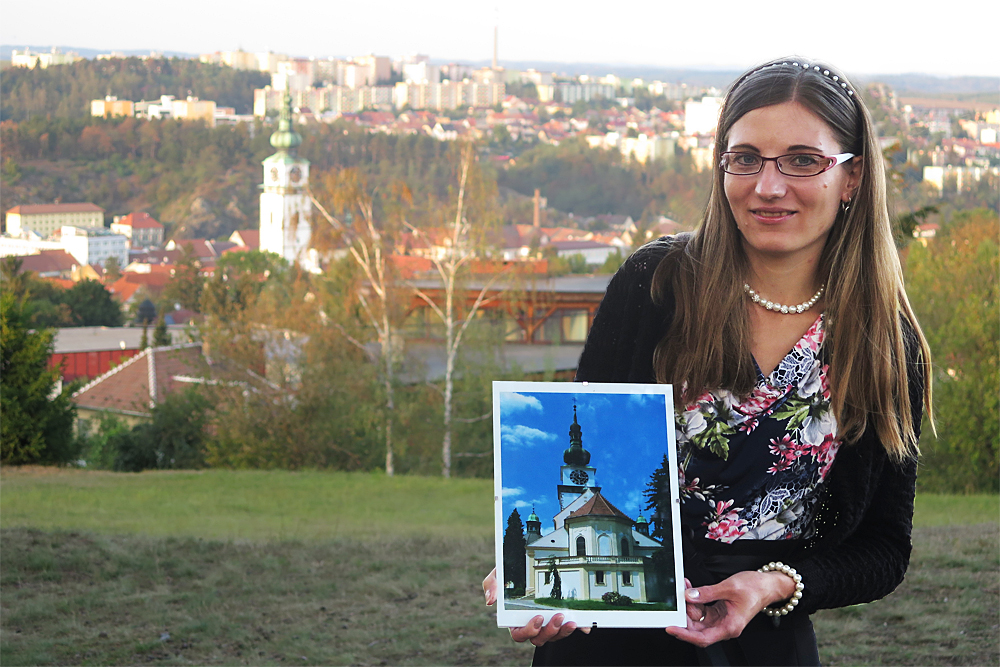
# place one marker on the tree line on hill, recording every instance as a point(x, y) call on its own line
point(65, 91)
point(202, 182)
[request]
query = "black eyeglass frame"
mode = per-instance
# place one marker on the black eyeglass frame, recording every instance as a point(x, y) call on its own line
point(834, 160)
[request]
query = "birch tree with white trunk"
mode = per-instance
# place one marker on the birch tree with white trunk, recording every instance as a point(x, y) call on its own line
point(452, 267)
point(369, 246)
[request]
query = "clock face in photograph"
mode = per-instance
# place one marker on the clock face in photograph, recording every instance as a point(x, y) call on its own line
point(295, 174)
point(274, 173)
point(579, 477)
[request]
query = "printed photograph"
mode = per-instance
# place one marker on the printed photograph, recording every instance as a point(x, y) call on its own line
point(587, 502)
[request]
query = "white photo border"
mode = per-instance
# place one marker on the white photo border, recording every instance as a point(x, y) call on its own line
point(624, 618)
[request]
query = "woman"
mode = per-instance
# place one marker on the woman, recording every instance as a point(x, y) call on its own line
point(804, 459)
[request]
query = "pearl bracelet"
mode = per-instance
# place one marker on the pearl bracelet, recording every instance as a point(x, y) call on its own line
point(778, 566)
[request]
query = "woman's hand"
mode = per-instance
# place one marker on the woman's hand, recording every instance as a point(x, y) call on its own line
point(537, 632)
point(720, 612)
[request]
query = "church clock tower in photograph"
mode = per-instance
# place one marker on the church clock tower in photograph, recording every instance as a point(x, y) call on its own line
point(577, 475)
point(285, 207)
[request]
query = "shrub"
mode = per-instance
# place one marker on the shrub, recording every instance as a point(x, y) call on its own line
point(616, 599)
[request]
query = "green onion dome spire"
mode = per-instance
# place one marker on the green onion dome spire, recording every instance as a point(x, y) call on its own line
point(286, 139)
point(576, 455)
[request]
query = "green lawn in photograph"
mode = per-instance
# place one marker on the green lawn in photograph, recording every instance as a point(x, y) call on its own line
point(311, 568)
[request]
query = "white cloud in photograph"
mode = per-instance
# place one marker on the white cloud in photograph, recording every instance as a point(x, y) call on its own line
point(513, 403)
point(524, 436)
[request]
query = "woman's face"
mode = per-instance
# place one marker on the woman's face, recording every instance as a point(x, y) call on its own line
point(787, 216)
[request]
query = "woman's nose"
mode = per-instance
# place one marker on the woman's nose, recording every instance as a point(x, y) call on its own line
point(770, 181)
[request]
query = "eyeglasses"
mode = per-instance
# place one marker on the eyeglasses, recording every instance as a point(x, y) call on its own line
point(799, 165)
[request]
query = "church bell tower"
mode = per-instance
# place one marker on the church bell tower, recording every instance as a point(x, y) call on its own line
point(577, 475)
point(285, 207)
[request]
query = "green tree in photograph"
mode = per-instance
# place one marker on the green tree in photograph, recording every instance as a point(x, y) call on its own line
point(953, 286)
point(556, 593)
point(36, 419)
point(514, 554)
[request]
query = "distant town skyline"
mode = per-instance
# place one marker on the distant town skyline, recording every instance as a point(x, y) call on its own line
point(857, 36)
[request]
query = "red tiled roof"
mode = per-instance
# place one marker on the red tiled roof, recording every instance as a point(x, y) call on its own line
point(37, 209)
point(140, 220)
point(48, 261)
point(599, 506)
point(247, 237)
point(60, 282)
point(142, 381)
point(150, 376)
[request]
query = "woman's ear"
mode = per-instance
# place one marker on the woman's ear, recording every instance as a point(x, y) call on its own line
point(854, 171)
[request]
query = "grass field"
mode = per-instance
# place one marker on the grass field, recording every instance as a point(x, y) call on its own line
point(311, 568)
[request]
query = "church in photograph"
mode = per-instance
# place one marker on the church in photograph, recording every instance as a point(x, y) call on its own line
point(595, 547)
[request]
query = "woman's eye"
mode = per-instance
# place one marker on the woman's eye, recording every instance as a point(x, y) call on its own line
point(804, 160)
point(746, 159)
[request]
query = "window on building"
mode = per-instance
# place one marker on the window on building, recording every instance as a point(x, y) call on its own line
point(626, 578)
point(599, 577)
point(625, 548)
point(548, 578)
point(581, 546)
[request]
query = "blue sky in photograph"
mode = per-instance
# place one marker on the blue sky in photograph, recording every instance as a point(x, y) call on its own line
point(626, 435)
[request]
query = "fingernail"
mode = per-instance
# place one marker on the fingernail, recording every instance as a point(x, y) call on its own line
point(693, 594)
point(558, 618)
point(537, 621)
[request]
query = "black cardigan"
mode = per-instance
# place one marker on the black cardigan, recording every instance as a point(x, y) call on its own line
point(861, 546)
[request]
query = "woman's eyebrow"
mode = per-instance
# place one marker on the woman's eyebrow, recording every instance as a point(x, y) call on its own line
point(796, 147)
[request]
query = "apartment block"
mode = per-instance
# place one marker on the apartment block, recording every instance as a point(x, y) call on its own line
point(29, 59)
point(111, 106)
point(92, 245)
point(46, 219)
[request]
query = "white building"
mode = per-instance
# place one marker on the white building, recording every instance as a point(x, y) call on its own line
point(161, 108)
point(46, 219)
point(285, 206)
point(91, 245)
point(594, 548)
point(702, 116)
point(27, 58)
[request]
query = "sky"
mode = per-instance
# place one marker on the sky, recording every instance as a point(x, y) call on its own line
point(857, 36)
point(626, 435)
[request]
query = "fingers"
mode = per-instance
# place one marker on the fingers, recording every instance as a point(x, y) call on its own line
point(552, 631)
point(527, 632)
point(701, 638)
point(490, 587)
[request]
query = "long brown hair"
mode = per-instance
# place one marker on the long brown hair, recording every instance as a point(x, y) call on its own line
point(867, 316)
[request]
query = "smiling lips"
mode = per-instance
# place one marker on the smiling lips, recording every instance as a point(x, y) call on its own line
point(771, 215)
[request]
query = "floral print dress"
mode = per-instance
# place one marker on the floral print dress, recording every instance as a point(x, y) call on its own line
point(753, 470)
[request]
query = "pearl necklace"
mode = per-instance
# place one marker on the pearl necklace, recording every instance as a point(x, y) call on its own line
point(777, 307)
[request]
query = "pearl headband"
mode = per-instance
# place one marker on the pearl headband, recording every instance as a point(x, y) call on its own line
point(805, 66)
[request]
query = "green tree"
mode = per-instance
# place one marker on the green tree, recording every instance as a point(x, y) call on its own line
point(92, 305)
point(556, 593)
point(161, 336)
point(953, 286)
point(112, 268)
point(186, 285)
point(36, 419)
point(173, 439)
point(514, 553)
